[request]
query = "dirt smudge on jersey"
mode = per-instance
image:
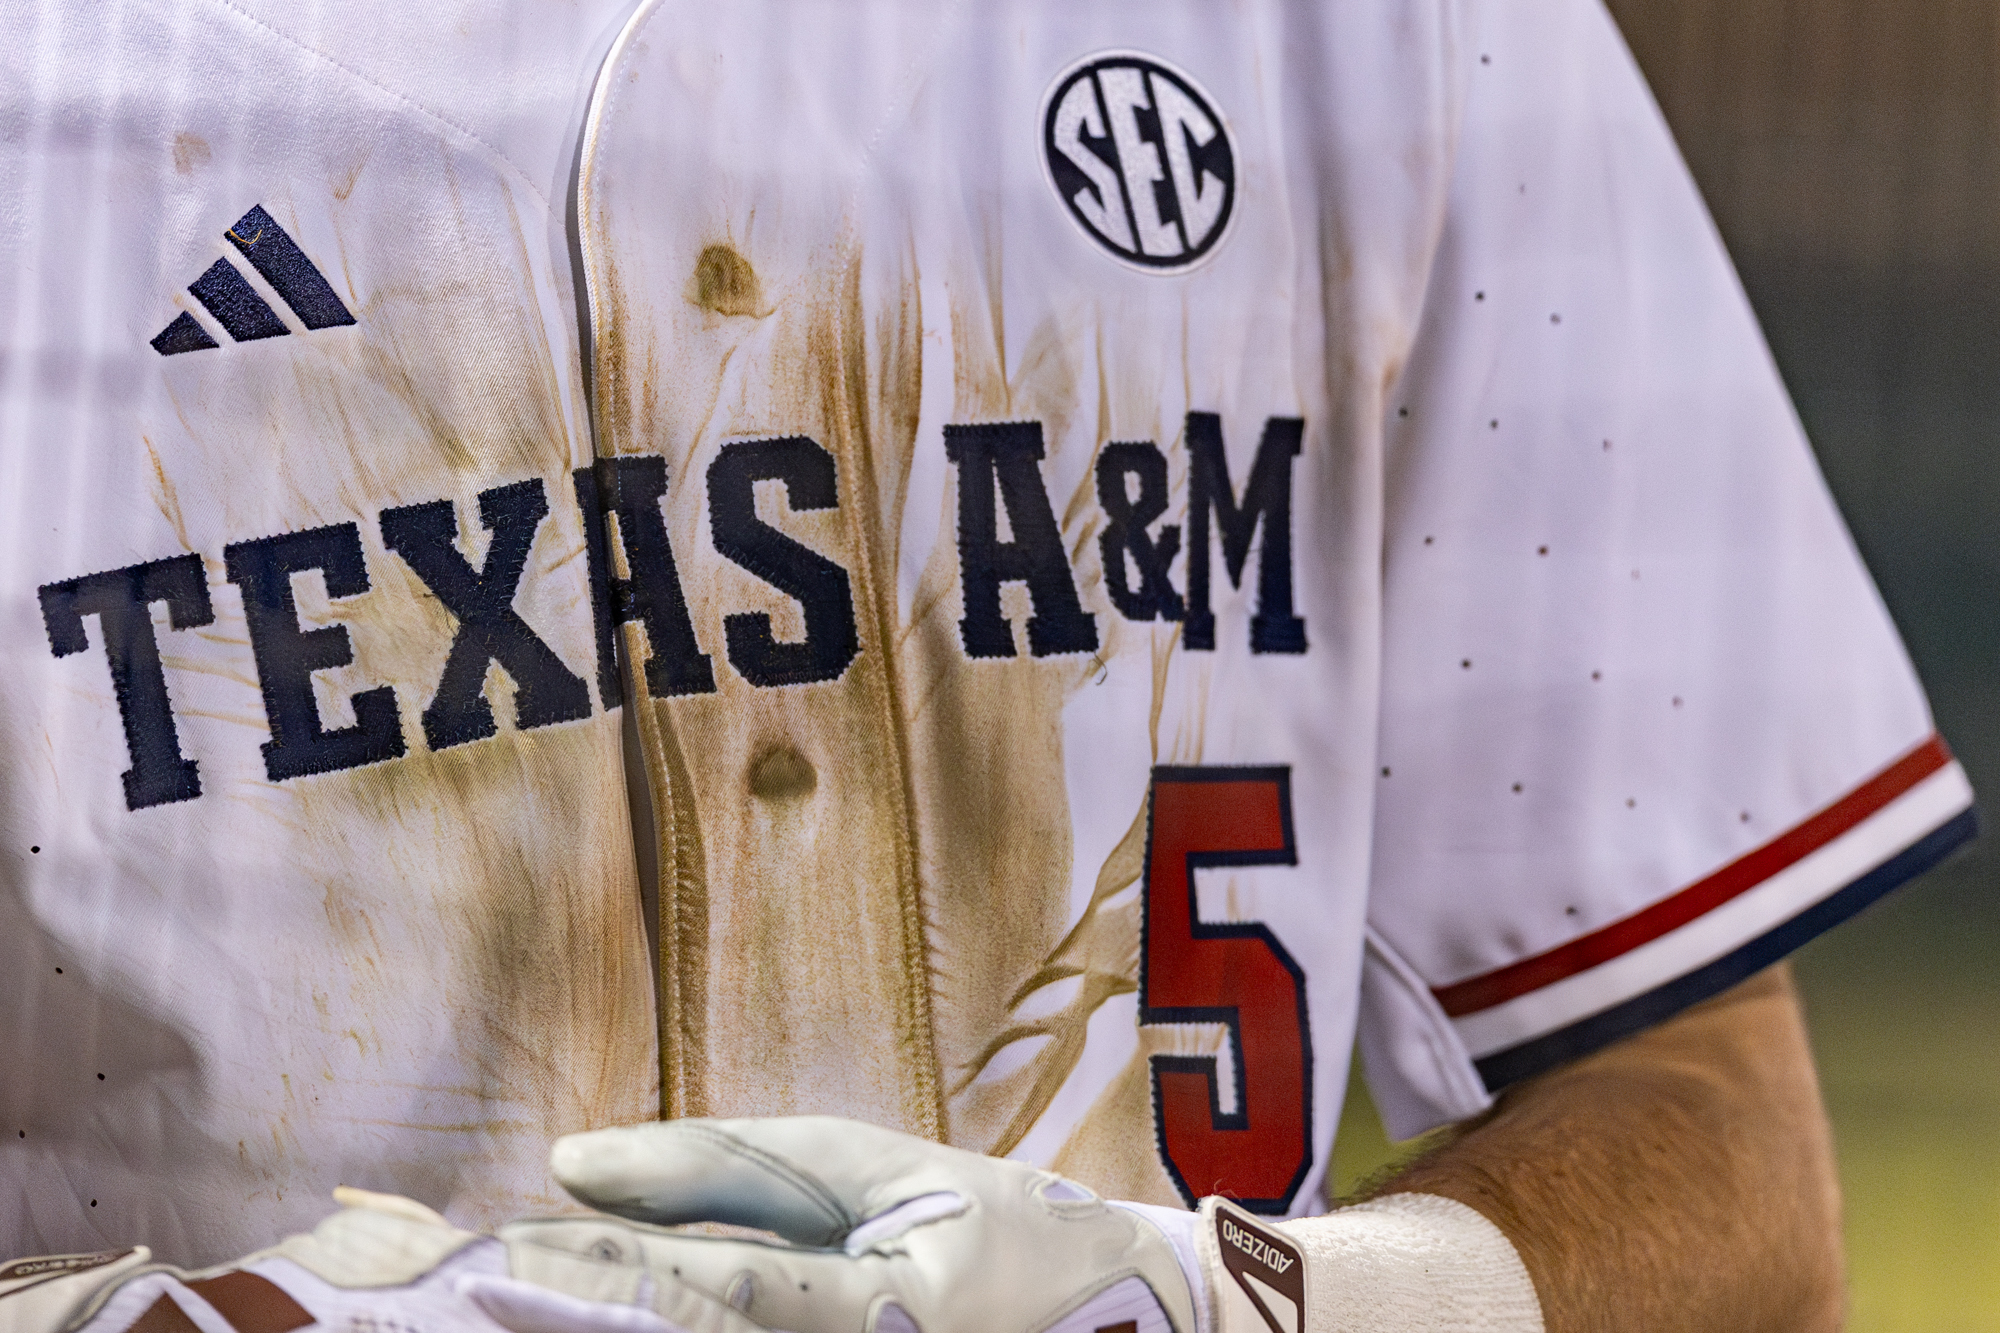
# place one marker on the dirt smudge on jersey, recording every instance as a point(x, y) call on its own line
point(994, 823)
point(482, 900)
point(1099, 954)
point(781, 773)
point(447, 940)
point(166, 496)
point(935, 826)
point(802, 986)
point(1100, 1149)
point(190, 151)
point(1104, 948)
point(683, 918)
point(511, 924)
point(343, 184)
point(724, 282)
point(895, 397)
point(839, 976)
point(450, 375)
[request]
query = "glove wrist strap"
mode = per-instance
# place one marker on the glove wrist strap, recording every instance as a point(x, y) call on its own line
point(1257, 1275)
point(1409, 1263)
point(1404, 1263)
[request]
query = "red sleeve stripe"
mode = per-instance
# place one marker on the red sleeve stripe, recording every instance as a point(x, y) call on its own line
point(1697, 899)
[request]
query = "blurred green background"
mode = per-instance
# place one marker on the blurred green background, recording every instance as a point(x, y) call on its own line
point(1850, 151)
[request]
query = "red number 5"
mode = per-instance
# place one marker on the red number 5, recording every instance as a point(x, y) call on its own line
point(1235, 973)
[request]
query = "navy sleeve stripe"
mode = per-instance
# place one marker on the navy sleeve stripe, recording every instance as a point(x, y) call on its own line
point(1601, 1029)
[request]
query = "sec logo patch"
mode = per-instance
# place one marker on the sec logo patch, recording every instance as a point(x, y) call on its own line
point(1141, 158)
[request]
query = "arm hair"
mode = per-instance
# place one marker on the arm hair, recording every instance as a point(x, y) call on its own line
point(1680, 1179)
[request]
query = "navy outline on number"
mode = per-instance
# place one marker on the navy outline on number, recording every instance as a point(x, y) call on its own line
point(1207, 1065)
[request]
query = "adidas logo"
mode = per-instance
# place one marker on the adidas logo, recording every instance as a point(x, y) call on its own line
point(246, 316)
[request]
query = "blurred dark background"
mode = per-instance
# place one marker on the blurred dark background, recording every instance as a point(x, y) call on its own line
point(1850, 152)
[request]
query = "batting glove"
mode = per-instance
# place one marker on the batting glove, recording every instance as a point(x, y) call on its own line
point(894, 1234)
point(381, 1263)
point(884, 1233)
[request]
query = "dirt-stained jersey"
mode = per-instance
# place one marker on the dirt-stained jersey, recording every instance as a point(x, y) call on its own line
point(1138, 541)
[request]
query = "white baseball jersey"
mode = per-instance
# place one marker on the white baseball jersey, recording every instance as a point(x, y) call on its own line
point(1138, 541)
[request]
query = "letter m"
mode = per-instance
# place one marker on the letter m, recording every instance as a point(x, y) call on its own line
point(1267, 498)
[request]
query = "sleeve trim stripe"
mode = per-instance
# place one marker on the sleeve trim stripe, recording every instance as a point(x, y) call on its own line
point(1835, 866)
point(1698, 899)
point(1599, 1030)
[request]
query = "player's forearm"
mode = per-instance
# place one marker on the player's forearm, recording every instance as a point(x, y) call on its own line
point(1681, 1179)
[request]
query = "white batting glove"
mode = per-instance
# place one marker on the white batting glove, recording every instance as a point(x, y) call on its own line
point(885, 1233)
point(893, 1234)
point(381, 1263)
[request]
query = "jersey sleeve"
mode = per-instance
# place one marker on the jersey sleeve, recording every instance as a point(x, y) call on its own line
point(1646, 726)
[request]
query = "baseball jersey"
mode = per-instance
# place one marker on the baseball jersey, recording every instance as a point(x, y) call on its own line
point(1131, 544)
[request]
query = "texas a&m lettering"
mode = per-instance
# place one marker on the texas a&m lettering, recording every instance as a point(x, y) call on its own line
point(1006, 533)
